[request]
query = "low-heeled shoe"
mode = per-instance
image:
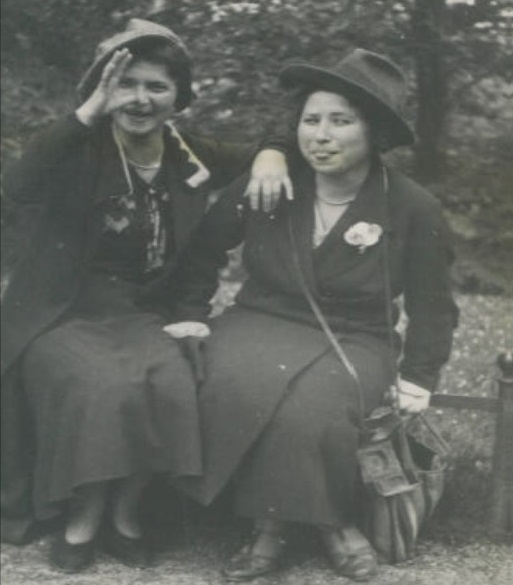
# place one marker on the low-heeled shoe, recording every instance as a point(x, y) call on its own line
point(246, 565)
point(71, 558)
point(360, 565)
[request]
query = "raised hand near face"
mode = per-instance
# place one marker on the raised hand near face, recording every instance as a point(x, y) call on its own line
point(105, 98)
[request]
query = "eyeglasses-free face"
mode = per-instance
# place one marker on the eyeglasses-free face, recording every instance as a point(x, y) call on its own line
point(332, 135)
point(147, 95)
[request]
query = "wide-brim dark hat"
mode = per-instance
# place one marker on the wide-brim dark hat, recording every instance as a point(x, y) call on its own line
point(369, 80)
point(136, 29)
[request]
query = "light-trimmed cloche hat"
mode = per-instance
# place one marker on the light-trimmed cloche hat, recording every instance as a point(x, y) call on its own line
point(138, 30)
point(369, 80)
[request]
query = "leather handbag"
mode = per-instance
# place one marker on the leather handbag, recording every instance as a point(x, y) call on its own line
point(404, 478)
point(403, 475)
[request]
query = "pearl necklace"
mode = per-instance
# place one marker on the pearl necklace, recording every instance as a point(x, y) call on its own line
point(323, 225)
point(146, 172)
point(151, 166)
point(337, 202)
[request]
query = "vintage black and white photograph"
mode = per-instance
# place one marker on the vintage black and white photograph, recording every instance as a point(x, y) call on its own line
point(257, 292)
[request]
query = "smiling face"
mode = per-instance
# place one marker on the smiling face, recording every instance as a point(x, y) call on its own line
point(147, 94)
point(332, 135)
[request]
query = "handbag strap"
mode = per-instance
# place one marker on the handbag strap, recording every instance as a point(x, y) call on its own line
point(316, 310)
point(442, 443)
point(394, 402)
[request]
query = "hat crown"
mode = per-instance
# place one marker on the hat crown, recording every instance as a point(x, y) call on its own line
point(376, 74)
point(372, 81)
point(138, 28)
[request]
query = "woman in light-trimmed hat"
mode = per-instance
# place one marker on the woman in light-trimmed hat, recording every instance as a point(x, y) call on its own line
point(88, 371)
point(279, 408)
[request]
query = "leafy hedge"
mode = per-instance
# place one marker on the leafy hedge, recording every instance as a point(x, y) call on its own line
point(239, 47)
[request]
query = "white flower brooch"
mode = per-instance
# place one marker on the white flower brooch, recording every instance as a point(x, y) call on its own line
point(363, 235)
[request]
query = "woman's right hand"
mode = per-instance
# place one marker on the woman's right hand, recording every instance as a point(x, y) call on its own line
point(105, 98)
point(269, 181)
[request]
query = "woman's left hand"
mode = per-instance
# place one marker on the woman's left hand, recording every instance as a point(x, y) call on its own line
point(187, 329)
point(191, 336)
point(269, 180)
point(411, 397)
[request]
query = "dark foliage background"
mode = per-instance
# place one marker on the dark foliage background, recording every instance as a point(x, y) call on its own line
point(456, 54)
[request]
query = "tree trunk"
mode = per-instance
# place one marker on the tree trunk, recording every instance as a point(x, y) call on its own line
point(427, 20)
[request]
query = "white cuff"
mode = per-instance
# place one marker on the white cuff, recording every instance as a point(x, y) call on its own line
point(412, 389)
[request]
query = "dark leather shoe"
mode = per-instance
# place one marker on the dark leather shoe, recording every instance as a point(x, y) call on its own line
point(133, 552)
point(360, 565)
point(71, 558)
point(247, 565)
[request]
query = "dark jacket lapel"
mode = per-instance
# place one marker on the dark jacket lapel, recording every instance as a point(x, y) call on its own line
point(302, 220)
point(370, 206)
point(186, 181)
point(112, 179)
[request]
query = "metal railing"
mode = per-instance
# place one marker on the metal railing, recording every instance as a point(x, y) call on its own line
point(501, 521)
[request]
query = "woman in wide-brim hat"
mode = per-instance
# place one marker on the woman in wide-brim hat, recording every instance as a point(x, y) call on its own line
point(88, 371)
point(278, 406)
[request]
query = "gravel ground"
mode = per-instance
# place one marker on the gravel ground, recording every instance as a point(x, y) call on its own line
point(456, 548)
point(198, 562)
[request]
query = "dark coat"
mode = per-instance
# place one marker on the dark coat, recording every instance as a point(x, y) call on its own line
point(349, 285)
point(272, 342)
point(65, 176)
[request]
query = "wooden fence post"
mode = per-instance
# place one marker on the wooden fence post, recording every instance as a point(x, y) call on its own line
point(502, 507)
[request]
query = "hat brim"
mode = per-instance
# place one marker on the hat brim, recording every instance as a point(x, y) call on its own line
point(92, 76)
point(398, 130)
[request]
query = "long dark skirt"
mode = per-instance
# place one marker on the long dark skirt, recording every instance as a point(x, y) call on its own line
point(111, 396)
point(294, 461)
